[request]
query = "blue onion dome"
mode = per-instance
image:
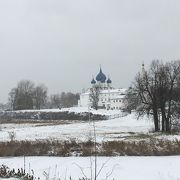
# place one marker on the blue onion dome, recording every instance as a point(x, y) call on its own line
point(109, 81)
point(101, 77)
point(93, 81)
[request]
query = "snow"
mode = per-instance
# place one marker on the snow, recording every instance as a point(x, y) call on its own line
point(120, 126)
point(120, 91)
point(169, 137)
point(106, 130)
point(126, 168)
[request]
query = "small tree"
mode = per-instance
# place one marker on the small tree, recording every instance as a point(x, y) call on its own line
point(94, 96)
point(40, 96)
point(24, 95)
point(12, 98)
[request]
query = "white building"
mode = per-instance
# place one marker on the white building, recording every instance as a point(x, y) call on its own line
point(109, 98)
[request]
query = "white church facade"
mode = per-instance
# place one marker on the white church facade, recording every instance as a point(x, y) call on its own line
point(109, 97)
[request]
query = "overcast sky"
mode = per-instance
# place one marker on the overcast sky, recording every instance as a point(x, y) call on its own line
point(62, 42)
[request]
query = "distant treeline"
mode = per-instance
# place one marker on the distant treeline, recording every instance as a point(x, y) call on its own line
point(28, 96)
point(39, 115)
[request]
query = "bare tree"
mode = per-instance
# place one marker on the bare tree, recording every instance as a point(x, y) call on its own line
point(22, 96)
point(154, 92)
point(69, 99)
point(94, 96)
point(56, 100)
point(64, 100)
point(172, 94)
point(131, 100)
point(12, 98)
point(40, 96)
point(27, 96)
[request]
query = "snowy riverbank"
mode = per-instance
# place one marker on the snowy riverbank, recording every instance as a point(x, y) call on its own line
point(124, 168)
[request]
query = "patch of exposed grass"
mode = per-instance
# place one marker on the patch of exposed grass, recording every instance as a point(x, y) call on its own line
point(151, 147)
point(46, 147)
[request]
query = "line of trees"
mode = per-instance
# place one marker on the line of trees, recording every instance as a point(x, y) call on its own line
point(64, 100)
point(28, 96)
point(156, 92)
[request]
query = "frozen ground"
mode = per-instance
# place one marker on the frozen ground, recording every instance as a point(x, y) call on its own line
point(120, 168)
point(111, 129)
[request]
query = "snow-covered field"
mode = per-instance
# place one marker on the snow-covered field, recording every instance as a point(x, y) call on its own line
point(118, 127)
point(117, 168)
point(111, 129)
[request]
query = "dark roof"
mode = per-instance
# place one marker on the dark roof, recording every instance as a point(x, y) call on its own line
point(93, 81)
point(101, 77)
point(109, 81)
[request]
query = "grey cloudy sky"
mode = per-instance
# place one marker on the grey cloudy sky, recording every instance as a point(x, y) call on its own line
point(62, 42)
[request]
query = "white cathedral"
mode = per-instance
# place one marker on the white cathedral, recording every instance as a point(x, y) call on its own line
point(109, 97)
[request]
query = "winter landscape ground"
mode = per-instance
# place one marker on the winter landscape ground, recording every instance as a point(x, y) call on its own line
point(119, 127)
point(112, 129)
point(117, 168)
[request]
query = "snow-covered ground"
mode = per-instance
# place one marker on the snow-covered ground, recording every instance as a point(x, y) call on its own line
point(117, 168)
point(106, 130)
point(119, 127)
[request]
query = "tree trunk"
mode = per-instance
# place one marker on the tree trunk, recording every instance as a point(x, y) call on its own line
point(168, 129)
point(156, 120)
point(163, 118)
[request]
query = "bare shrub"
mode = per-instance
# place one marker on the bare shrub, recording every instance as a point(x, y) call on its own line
point(6, 172)
point(12, 135)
